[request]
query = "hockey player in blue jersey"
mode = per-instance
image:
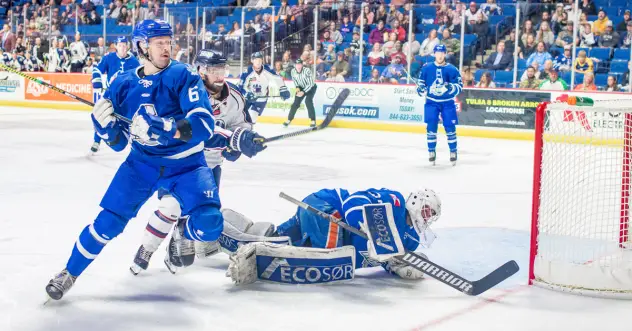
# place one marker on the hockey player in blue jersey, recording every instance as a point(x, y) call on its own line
point(110, 65)
point(440, 83)
point(255, 85)
point(171, 121)
point(229, 111)
point(317, 239)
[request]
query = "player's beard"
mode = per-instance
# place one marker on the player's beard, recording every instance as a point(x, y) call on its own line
point(213, 88)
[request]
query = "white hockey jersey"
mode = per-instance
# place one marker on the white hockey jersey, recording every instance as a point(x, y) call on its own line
point(258, 83)
point(229, 112)
point(54, 58)
point(78, 51)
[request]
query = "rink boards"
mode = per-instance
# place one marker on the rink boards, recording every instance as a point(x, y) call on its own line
point(488, 113)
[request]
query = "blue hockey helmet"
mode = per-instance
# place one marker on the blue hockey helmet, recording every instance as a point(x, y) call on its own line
point(147, 29)
point(440, 48)
point(209, 57)
point(121, 39)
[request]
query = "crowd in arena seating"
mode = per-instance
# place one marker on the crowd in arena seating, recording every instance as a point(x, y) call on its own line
point(379, 53)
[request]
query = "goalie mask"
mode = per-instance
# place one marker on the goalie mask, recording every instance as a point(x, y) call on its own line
point(424, 208)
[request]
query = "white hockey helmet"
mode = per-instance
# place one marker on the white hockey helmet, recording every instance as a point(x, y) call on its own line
point(424, 208)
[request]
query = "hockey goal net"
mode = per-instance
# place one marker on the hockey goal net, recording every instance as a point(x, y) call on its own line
point(581, 192)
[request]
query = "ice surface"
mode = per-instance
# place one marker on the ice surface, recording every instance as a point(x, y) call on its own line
point(50, 189)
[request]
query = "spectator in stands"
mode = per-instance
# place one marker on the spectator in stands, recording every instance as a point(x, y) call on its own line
point(397, 52)
point(388, 46)
point(583, 64)
point(491, 8)
point(284, 12)
point(115, 9)
point(557, 14)
point(486, 81)
point(382, 15)
point(376, 56)
point(443, 10)
point(334, 76)
point(453, 46)
point(286, 62)
point(100, 50)
point(546, 70)
point(278, 68)
point(499, 60)
point(562, 62)
point(19, 46)
point(588, 7)
point(342, 67)
point(375, 76)
point(7, 39)
point(530, 81)
point(473, 12)
point(510, 44)
point(545, 34)
point(298, 11)
point(37, 52)
point(379, 34)
point(546, 17)
point(467, 77)
point(330, 55)
point(609, 38)
point(612, 85)
point(622, 27)
point(368, 17)
point(480, 28)
point(626, 39)
point(587, 37)
point(527, 29)
point(87, 68)
point(355, 44)
point(540, 55)
point(307, 58)
point(346, 28)
point(326, 40)
point(565, 37)
point(445, 22)
point(583, 19)
point(335, 35)
point(554, 83)
point(411, 48)
point(399, 31)
point(588, 84)
point(428, 45)
point(599, 26)
point(393, 72)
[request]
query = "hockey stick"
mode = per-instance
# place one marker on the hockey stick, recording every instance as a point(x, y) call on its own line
point(57, 89)
point(330, 116)
point(426, 266)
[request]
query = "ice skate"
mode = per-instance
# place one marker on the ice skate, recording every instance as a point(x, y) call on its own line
point(60, 285)
point(95, 147)
point(453, 158)
point(286, 124)
point(312, 124)
point(141, 260)
point(432, 157)
point(180, 251)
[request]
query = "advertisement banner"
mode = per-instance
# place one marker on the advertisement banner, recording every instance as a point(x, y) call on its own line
point(77, 84)
point(11, 86)
point(501, 109)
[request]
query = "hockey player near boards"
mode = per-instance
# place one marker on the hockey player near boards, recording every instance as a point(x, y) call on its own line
point(230, 114)
point(440, 82)
point(110, 65)
point(171, 123)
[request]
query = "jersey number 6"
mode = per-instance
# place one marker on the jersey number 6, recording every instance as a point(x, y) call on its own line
point(193, 94)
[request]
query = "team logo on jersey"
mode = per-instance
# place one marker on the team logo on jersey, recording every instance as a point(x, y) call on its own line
point(146, 83)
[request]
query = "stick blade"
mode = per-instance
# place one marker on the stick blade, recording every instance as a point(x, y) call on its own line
point(495, 277)
point(334, 108)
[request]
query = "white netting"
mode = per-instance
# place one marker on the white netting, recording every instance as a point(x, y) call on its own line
point(583, 213)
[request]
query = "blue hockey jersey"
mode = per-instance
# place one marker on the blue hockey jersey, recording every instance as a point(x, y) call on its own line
point(175, 92)
point(350, 207)
point(441, 83)
point(109, 65)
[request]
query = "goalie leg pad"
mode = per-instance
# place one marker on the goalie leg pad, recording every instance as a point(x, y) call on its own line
point(240, 230)
point(384, 241)
point(284, 264)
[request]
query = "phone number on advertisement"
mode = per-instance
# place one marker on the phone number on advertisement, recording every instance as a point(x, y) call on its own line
point(406, 117)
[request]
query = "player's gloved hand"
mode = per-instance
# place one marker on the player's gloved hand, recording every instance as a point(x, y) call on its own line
point(284, 92)
point(104, 122)
point(249, 96)
point(248, 142)
point(440, 89)
point(231, 155)
point(404, 270)
point(97, 93)
point(147, 127)
point(421, 89)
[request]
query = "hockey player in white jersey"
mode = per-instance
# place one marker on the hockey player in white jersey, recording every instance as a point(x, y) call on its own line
point(255, 85)
point(79, 54)
point(228, 110)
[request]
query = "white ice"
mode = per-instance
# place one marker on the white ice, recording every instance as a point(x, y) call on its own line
point(50, 189)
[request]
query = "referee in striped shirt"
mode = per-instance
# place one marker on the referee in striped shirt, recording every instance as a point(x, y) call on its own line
point(305, 89)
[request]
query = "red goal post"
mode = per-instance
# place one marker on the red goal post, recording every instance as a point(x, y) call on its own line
point(580, 239)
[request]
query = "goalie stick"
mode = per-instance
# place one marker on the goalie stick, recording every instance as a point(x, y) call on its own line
point(58, 90)
point(330, 116)
point(426, 266)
